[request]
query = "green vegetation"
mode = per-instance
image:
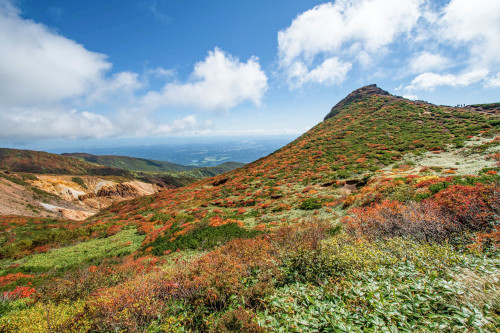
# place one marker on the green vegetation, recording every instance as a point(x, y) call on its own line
point(130, 163)
point(29, 161)
point(92, 251)
point(79, 181)
point(201, 238)
point(152, 168)
point(310, 204)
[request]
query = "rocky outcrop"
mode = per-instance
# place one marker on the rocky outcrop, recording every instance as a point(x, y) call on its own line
point(360, 93)
point(118, 190)
point(75, 198)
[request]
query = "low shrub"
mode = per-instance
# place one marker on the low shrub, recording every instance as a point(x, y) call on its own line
point(203, 237)
point(310, 204)
point(475, 208)
point(79, 181)
point(423, 221)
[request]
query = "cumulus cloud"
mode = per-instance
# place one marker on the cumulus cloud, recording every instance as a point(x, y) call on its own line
point(356, 30)
point(411, 97)
point(472, 31)
point(493, 82)
point(429, 81)
point(427, 61)
point(445, 44)
point(41, 66)
point(179, 125)
point(120, 83)
point(474, 25)
point(220, 81)
point(331, 71)
point(28, 123)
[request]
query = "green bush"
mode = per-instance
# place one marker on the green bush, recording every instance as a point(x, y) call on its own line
point(79, 181)
point(435, 188)
point(160, 217)
point(204, 237)
point(310, 204)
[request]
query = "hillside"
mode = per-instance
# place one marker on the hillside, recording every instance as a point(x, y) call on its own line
point(383, 217)
point(35, 183)
point(130, 163)
point(185, 173)
point(368, 134)
point(40, 162)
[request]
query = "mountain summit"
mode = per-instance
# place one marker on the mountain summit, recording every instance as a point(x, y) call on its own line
point(357, 94)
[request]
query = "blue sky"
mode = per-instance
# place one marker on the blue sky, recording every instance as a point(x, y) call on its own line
point(101, 70)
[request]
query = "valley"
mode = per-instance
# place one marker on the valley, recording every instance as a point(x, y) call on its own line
point(73, 186)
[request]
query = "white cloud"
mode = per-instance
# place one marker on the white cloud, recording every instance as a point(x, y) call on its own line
point(493, 82)
point(160, 72)
point(358, 30)
point(411, 97)
point(52, 87)
point(474, 25)
point(429, 81)
point(179, 125)
point(119, 84)
point(29, 123)
point(41, 66)
point(331, 71)
point(218, 82)
point(469, 29)
point(427, 61)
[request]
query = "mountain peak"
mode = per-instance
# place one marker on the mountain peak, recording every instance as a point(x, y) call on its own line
point(362, 92)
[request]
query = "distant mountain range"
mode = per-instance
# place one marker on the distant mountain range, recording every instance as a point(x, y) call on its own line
point(148, 165)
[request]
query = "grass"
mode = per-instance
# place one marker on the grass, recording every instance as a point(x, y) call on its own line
point(124, 242)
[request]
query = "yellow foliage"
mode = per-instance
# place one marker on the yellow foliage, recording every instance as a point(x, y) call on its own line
point(42, 318)
point(424, 178)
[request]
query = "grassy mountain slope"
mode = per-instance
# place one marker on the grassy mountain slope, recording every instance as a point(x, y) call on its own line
point(384, 217)
point(130, 163)
point(153, 166)
point(371, 132)
point(167, 172)
point(45, 163)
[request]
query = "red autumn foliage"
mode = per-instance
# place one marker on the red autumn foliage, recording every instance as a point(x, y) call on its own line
point(483, 240)
point(114, 229)
point(473, 207)
point(9, 278)
point(454, 209)
point(20, 292)
point(423, 221)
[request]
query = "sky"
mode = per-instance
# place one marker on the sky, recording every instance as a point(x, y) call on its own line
point(98, 71)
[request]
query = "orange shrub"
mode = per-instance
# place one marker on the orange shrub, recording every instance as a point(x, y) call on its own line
point(9, 278)
point(424, 220)
point(20, 292)
point(472, 207)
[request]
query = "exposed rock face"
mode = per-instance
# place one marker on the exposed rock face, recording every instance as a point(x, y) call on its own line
point(60, 196)
point(372, 89)
point(118, 190)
